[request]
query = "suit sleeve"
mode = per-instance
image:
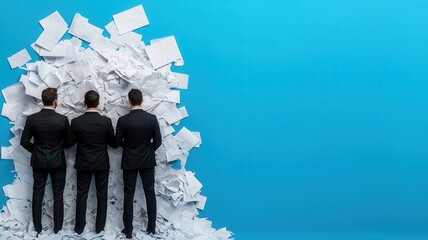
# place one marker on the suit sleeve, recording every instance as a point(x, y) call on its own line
point(111, 139)
point(66, 133)
point(71, 138)
point(157, 138)
point(26, 136)
point(119, 133)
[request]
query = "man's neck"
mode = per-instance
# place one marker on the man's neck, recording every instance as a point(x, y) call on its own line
point(135, 107)
point(91, 109)
point(49, 107)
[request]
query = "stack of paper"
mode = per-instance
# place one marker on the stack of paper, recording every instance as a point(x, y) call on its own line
point(111, 66)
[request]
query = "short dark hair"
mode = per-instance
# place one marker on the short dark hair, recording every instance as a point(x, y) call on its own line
point(92, 99)
point(49, 95)
point(135, 97)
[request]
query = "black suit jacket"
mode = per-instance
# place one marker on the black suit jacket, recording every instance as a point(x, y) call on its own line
point(50, 130)
point(92, 133)
point(134, 133)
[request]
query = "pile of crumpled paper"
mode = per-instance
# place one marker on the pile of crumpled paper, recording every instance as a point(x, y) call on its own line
point(111, 66)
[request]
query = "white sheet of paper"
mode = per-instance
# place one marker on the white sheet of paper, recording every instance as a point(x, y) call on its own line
point(172, 115)
point(130, 19)
point(81, 28)
point(167, 130)
point(183, 112)
point(103, 46)
point(79, 93)
point(130, 38)
point(163, 51)
point(50, 37)
point(15, 141)
point(194, 185)
point(59, 50)
point(198, 135)
point(18, 59)
point(52, 80)
point(6, 152)
point(32, 89)
point(12, 111)
point(18, 190)
point(30, 67)
point(54, 27)
point(201, 203)
point(174, 47)
point(44, 69)
point(165, 70)
point(171, 96)
point(53, 18)
point(34, 78)
point(15, 94)
point(15, 211)
point(36, 48)
point(186, 140)
point(181, 79)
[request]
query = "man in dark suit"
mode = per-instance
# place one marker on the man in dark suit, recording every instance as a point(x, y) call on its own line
point(50, 130)
point(92, 133)
point(139, 135)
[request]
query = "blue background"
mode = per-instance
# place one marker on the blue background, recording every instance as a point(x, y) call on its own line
point(313, 114)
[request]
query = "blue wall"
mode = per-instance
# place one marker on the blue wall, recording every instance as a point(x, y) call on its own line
point(313, 113)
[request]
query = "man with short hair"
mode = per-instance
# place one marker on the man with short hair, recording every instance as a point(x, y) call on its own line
point(50, 131)
point(92, 133)
point(139, 135)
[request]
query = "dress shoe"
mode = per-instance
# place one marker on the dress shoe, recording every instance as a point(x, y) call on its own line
point(128, 235)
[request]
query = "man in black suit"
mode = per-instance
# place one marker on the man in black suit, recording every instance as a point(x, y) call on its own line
point(50, 130)
point(139, 135)
point(92, 133)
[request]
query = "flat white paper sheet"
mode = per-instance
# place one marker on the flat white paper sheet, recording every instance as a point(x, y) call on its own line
point(54, 18)
point(186, 140)
point(130, 38)
point(54, 27)
point(130, 19)
point(163, 51)
point(6, 152)
point(59, 50)
point(81, 28)
point(18, 59)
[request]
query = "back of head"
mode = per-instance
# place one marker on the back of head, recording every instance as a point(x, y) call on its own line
point(92, 99)
point(49, 95)
point(135, 97)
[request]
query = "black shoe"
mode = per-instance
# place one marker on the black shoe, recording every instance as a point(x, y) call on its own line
point(78, 232)
point(128, 235)
point(153, 235)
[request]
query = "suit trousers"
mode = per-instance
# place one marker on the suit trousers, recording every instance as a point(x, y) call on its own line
point(83, 183)
point(129, 180)
point(40, 176)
